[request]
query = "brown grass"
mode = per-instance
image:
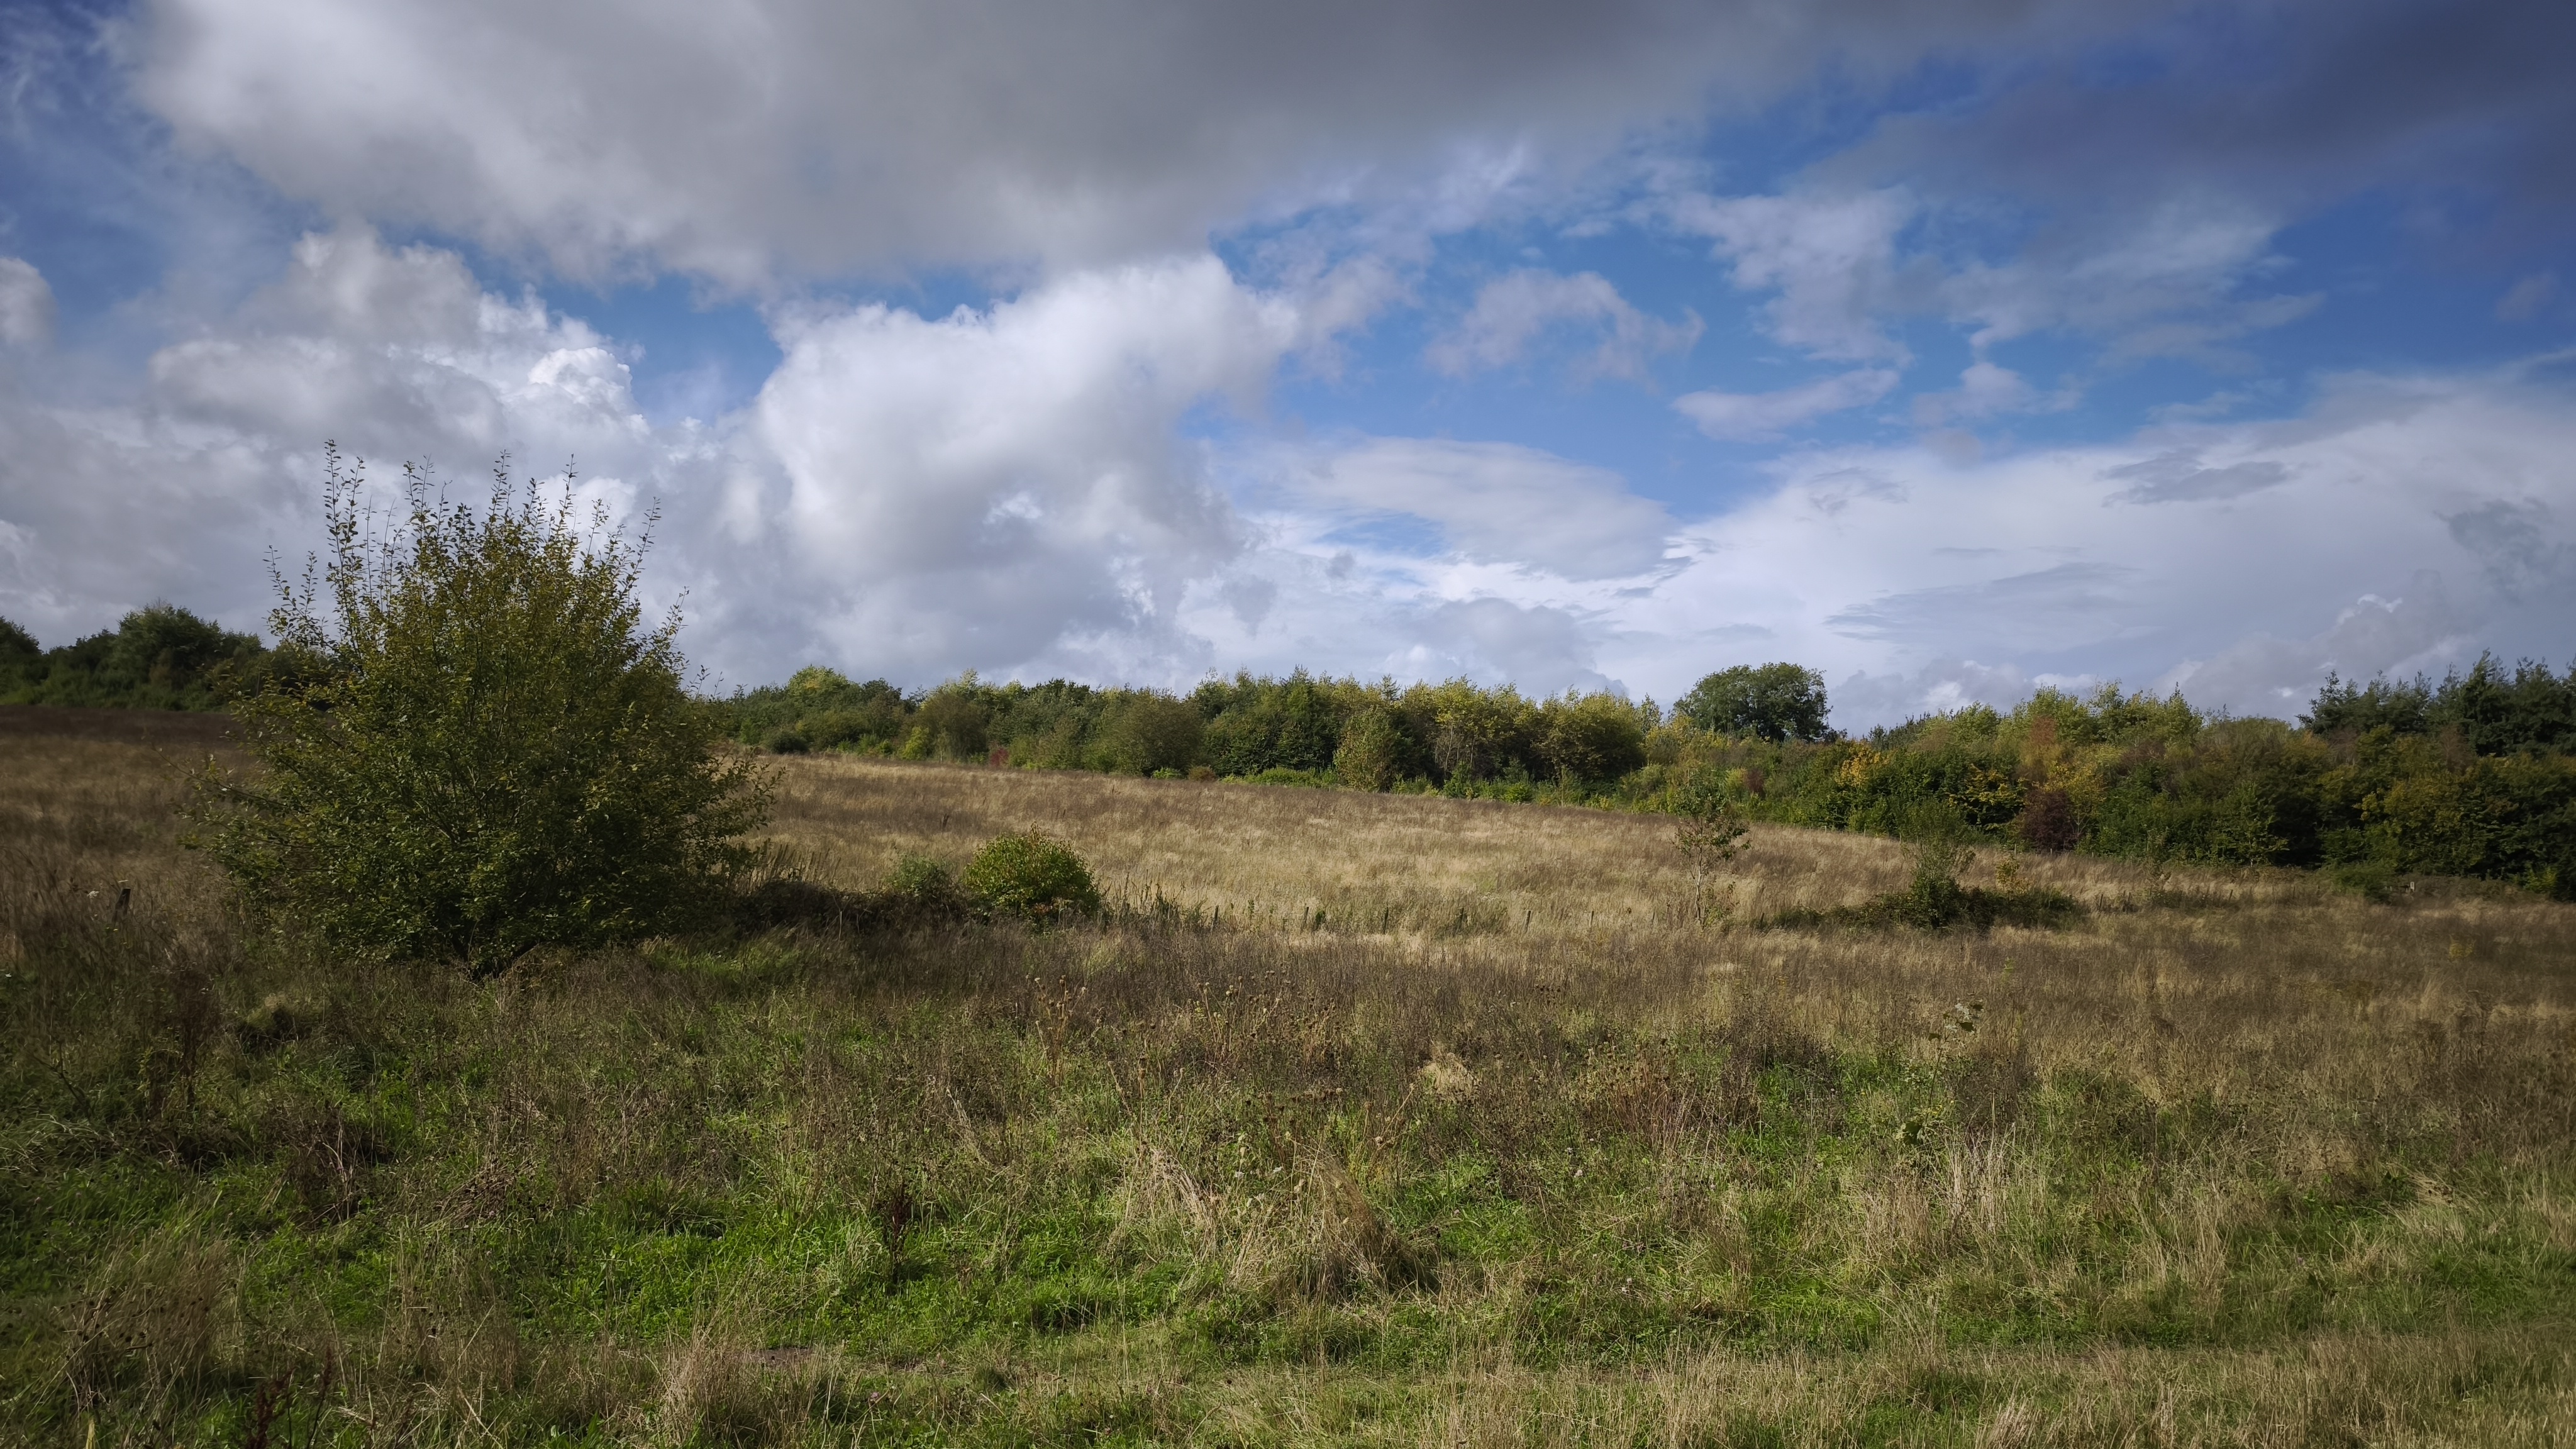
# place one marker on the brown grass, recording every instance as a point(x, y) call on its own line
point(2215, 1090)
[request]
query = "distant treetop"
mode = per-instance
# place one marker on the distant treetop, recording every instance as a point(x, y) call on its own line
point(1776, 702)
point(158, 657)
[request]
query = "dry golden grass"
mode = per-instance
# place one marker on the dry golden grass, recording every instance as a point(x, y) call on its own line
point(2232, 1160)
point(2191, 979)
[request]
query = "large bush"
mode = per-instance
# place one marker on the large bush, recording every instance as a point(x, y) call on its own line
point(487, 749)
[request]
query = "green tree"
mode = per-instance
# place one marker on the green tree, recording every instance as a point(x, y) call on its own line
point(1776, 702)
point(1372, 751)
point(20, 657)
point(486, 749)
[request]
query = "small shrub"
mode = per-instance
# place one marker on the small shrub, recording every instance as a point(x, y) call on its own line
point(2372, 880)
point(922, 882)
point(1031, 875)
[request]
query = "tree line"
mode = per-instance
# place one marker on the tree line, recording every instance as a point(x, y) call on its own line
point(2470, 775)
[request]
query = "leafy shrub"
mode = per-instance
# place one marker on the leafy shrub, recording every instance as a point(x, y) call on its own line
point(1031, 875)
point(922, 881)
point(1371, 755)
point(1150, 733)
point(1590, 737)
point(491, 754)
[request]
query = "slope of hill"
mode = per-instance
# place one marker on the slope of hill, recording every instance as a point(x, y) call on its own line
point(1362, 1118)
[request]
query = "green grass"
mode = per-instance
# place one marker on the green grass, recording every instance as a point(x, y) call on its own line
point(1140, 1184)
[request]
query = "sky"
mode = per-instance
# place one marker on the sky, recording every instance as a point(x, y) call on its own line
point(1952, 350)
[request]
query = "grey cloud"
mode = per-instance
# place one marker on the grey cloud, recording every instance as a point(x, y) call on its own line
point(2050, 609)
point(2180, 477)
point(2511, 543)
point(1249, 599)
point(2262, 674)
point(26, 307)
point(803, 135)
point(1863, 700)
point(1541, 648)
point(1513, 312)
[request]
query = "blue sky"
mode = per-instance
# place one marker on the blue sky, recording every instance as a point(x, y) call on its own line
point(1952, 350)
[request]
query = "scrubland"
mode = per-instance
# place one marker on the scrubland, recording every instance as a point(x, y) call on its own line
point(1360, 1118)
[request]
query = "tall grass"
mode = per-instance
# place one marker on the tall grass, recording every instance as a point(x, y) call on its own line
point(1357, 1118)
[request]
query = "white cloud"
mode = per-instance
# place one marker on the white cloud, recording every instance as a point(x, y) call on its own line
point(26, 306)
point(1492, 503)
point(1739, 415)
point(1885, 562)
point(1829, 255)
point(1513, 311)
point(179, 492)
point(989, 487)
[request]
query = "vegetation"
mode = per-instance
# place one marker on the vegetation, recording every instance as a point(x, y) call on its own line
point(1030, 875)
point(480, 748)
point(1353, 1118)
point(1775, 702)
point(2472, 777)
point(159, 657)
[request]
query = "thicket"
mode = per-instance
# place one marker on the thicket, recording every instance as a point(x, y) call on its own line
point(2471, 776)
point(157, 657)
point(1456, 737)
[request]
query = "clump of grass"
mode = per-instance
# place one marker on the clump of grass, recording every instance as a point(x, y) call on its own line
point(1936, 900)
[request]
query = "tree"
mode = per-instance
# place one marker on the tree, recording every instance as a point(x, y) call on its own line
point(1777, 702)
point(482, 749)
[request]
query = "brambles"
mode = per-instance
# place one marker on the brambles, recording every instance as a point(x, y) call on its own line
point(1033, 876)
point(482, 749)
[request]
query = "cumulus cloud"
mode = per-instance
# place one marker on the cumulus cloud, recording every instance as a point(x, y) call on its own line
point(1755, 415)
point(912, 495)
point(1512, 312)
point(179, 492)
point(979, 487)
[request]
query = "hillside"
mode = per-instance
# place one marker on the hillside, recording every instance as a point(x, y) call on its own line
point(1364, 1118)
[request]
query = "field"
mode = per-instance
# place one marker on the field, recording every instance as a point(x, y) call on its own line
point(1362, 1119)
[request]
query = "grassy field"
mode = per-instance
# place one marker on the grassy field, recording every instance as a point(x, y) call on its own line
point(1366, 1119)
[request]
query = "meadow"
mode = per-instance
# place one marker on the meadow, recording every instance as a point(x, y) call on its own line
point(1359, 1118)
